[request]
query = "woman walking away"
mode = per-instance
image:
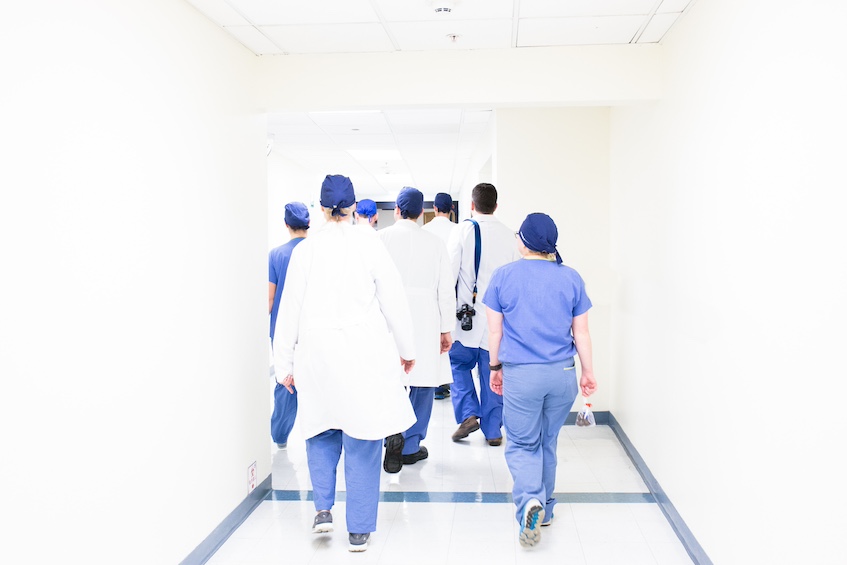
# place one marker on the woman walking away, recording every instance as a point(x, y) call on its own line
point(343, 303)
point(537, 313)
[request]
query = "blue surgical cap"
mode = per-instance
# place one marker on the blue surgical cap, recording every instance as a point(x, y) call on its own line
point(366, 208)
point(336, 193)
point(410, 201)
point(297, 215)
point(443, 202)
point(538, 232)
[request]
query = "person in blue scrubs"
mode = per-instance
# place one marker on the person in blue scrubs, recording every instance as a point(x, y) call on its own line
point(537, 311)
point(285, 403)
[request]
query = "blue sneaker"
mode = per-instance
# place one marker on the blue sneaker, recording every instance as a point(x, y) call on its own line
point(533, 517)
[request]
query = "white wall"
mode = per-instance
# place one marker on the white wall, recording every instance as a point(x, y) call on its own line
point(601, 74)
point(133, 329)
point(556, 161)
point(728, 231)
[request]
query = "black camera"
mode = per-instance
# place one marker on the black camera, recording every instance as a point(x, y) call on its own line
point(466, 316)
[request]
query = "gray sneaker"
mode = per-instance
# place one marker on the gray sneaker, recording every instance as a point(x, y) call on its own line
point(323, 522)
point(358, 542)
point(533, 517)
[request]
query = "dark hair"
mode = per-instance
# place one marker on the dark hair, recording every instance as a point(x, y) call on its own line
point(407, 216)
point(484, 197)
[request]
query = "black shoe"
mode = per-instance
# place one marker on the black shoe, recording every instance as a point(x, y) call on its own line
point(442, 392)
point(495, 441)
point(393, 461)
point(470, 425)
point(413, 458)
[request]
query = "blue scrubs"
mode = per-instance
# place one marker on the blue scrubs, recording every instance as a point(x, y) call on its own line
point(362, 467)
point(529, 391)
point(421, 398)
point(285, 403)
point(488, 407)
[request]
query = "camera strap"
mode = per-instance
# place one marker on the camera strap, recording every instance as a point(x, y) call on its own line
point(477, 254)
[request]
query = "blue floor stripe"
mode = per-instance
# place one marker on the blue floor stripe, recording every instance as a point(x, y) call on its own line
point(477, 497)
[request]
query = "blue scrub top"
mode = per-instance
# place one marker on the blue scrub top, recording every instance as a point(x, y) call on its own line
point(539, 300)
point(278, 260)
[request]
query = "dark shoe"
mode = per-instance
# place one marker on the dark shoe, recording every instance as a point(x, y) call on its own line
point(413, 458)
point(533, 517)
point(322, 523)
point(470, 425)
point(494, 442)
point(282, 445)
point(442, 392)
point(358, 542)
point(393, 461)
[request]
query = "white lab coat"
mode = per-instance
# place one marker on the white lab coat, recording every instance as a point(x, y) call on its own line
point(440, 226)
point(343, 325)
point(499, 247)
point(425, 268)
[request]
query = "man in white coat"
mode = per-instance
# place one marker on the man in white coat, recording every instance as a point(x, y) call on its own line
point(442, 226)
point(427, 277)
point(344, 301)
point(470, 346)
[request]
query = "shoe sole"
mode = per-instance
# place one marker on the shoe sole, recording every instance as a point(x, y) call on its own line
point(457, 436)
point(322, 528)
point(393, 461)
point(358, 548)
point(531, 527)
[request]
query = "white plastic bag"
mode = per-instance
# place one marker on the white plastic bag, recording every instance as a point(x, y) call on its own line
point(585, 417)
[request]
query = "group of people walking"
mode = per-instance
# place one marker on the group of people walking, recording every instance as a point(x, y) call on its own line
point(368, 327)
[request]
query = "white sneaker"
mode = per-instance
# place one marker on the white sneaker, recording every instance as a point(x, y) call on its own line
point(533, 516)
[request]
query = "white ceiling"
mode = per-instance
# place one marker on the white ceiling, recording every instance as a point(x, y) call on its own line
point(382, 151)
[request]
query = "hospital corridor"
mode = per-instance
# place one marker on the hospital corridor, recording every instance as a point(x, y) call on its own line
point(687, 155)
point(455, 508)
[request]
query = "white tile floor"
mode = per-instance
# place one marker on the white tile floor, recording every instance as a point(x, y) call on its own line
point(591, 460)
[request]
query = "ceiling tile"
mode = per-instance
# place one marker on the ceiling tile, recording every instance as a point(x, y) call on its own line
point(578, 31)
point(296, 12)
point(576, 8)
point(254, 40)
point(220, 12)
point(673, 6)
point(477, 34)
point(333, 38)
point(657, 28)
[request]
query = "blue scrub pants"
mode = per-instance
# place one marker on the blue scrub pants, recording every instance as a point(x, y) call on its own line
point(421, 398)
point(536, 401)
point(284, 414)
point(362, 466)
point(488, 407)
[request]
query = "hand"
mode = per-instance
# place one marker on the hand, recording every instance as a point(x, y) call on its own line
point(288, 383)
point(446, 342)
point(407, 365)
point(587, 384)
point(495, 382)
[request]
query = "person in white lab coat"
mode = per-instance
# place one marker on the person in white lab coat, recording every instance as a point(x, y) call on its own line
point(344, 301)
point(425, 268)
point(470, 346)
point(442, 226)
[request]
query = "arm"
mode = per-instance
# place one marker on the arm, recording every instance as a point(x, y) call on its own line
point(495, 333)
point(582, 340)
point(271, 292)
